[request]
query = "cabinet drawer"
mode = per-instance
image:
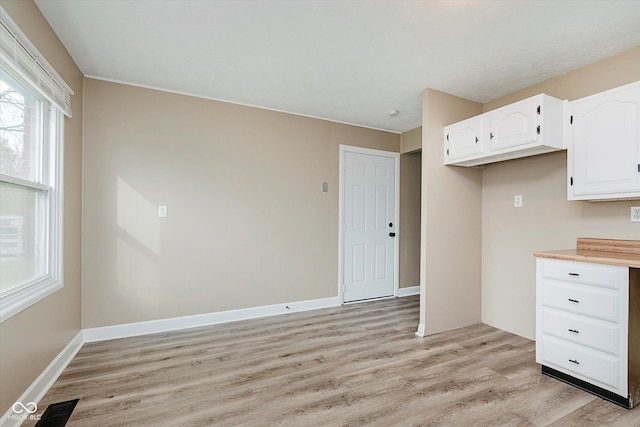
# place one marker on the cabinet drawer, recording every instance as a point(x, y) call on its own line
point(597, 334)
point(606, 276)
point(587, 300)
point(591, 366)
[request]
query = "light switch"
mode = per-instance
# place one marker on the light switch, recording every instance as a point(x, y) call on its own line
point(162, 211)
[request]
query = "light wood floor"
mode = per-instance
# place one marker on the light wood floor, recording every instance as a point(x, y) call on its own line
point(354, 365)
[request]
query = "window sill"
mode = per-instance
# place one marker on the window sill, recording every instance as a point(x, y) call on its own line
point(15, 301)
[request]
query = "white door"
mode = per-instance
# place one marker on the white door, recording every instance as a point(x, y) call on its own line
point(369, 240)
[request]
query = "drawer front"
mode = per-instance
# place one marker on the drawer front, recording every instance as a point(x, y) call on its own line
point(587, 300)
point(606, 276)
point(596, 334)
point(596, 368)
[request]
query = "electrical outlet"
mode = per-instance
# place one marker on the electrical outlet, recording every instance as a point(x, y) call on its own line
point(635, 213)
point(517, 201)
point(162, 211)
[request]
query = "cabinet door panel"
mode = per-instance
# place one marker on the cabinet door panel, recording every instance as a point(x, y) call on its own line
point(606, 276)
point(592, 366)
point(603, 336)
point(463, 139)
point(606, 143)
point(514, 125)
point(581, 299)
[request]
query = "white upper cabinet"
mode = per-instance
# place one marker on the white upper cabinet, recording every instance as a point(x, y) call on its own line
point(603, 141)
point(528, 127)
point(514, 125)
point(464, 139)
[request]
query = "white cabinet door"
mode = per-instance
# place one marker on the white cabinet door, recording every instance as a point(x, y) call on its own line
point(526, 128)
point(582, 321)
point(463, 139)
point(604, 145)
point(514, 125)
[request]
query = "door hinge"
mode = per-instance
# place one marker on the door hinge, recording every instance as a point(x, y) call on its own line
point(447, 137)
point(344, 227)
point(638, 167)
point(538, 110)
point(571, 120)
point(447, 151)
point(538, 130)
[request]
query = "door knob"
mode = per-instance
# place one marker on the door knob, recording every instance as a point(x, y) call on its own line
point(392, 234)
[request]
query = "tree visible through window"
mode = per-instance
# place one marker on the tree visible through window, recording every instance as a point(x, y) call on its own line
point(29, 191)
point(22, 219)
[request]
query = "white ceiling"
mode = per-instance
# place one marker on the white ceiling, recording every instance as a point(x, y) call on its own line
point(347, 61)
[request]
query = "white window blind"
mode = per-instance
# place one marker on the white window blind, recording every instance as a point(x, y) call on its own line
point(19, 54)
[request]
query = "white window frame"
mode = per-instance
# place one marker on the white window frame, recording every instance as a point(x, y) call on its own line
point(26, 65)
point(18, 298)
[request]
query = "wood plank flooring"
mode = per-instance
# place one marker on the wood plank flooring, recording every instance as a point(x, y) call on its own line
point(354, 365)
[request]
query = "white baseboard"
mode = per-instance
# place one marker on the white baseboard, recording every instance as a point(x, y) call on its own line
point(421, 330)
point(408, 291)
point(207, 319)
point(41, 385)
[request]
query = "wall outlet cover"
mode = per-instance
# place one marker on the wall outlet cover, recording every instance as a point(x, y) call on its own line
point(517, 201)
point(635, 213)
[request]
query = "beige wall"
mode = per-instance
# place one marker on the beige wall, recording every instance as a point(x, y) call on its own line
point(410, 189)
point(248, 224)
point(34, 337)
point(450, 266)
point(410, 195)
point(411, 141)
point(547, 220)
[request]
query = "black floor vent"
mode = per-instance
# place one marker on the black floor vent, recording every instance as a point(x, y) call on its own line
point(57, 414)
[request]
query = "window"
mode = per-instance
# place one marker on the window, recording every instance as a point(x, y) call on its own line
point(31, 129)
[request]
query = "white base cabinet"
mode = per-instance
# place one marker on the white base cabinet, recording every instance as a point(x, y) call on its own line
point(586, 333)
point(603, 145)
point(525, 128)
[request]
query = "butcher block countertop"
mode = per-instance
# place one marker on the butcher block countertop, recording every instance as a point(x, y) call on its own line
point(625, 253)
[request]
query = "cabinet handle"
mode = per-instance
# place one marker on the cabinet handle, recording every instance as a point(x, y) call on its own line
point(491, 136)
point(574, 300)
point(575, 362)
point(574, 274)
point(575, 331)
point(477, 140)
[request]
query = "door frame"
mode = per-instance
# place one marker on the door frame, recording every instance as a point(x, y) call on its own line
point(396, 241)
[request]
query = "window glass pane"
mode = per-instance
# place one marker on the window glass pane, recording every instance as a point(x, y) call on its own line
point(23, 225)
point(20, 130)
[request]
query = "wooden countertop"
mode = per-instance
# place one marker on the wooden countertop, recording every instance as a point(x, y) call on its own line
point(625, 253)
